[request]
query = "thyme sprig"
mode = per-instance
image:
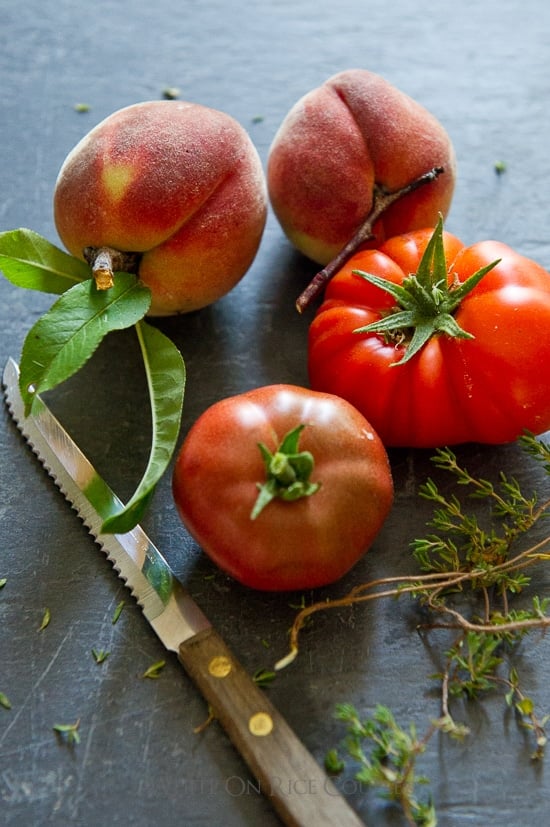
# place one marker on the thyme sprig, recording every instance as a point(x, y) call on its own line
point(387, 755)
point(490, 558)
point(465, 553)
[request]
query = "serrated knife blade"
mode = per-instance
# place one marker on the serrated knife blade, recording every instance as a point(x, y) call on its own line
point(285, 771)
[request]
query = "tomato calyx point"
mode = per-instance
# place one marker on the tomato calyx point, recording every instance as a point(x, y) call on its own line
point(287, 473)
point(425, 301)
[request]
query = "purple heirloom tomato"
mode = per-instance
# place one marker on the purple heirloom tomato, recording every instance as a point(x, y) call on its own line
point(283, 487)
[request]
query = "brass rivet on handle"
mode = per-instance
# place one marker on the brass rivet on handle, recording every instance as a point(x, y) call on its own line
point(220, 666)
point(260, 724)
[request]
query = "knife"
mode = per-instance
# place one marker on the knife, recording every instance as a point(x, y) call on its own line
point(300, 792)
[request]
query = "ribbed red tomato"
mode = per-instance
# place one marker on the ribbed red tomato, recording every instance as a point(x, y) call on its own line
point(440, 344)
point(284, 488)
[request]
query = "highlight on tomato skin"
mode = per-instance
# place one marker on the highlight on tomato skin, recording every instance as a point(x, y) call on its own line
point(284, 488)
point(437, 343)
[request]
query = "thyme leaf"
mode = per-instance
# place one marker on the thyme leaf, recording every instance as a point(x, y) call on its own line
point(46, 617)
point(69, 731)
point(154, 670)
point(100, 655)
point(5, 701)
point(118, 612)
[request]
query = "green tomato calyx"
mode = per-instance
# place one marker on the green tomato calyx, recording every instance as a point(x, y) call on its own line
point(287, 473)
point(425, 301)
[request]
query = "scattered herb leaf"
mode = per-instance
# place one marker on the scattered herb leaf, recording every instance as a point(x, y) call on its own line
point(118, 612)
point(300, 605)
point(500, 167)
point(46, 617)
point(154, 670)
point(3, 581)
point(5, 701)
point(171, 93)
point(333, 763)
point(264, 677)
point(82, 107)
point(69, 731)
point(100, 655)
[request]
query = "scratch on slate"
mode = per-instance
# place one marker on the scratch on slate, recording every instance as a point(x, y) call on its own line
point(35, 686)
point(82, 777)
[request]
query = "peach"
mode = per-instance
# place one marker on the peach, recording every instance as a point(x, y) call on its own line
point(177, 185)
point(339, 145)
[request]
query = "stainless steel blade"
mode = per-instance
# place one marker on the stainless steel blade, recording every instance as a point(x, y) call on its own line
point(170, 610)
point(286, 772)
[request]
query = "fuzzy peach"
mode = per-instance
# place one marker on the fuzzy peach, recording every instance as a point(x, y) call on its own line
point(340, 144)
point(178, 184)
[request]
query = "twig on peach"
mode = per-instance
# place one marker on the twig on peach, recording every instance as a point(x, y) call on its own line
point(105, 261)
point(381, 201)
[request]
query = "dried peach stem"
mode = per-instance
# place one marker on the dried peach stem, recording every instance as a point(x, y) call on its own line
point(105, 261)
point(382, 200)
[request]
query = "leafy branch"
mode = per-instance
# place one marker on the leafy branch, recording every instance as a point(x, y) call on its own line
point(67, 335)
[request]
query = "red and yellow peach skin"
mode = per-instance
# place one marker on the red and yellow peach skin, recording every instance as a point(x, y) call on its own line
point(179, 183)
point(337, 144)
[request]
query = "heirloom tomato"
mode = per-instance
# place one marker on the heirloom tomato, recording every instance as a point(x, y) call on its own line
point(284, 488)
point(437, 343)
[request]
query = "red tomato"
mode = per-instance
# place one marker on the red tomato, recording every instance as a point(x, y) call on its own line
point(321, 503)
point(487, 388)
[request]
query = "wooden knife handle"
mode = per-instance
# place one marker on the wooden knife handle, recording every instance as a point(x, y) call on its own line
point(299, 790)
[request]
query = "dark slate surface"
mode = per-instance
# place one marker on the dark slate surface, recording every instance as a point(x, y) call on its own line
point(482, 67)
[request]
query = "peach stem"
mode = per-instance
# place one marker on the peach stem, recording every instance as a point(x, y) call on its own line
point(381, 201)
point(105, 261)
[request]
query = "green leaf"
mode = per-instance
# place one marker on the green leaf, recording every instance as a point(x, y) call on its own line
point(70, 731)
point(118, 612)
point(264, 677)
point(67, 335)
point(165, 370)
point(45, 620)
point(5, 701)
point(525, 706)
point(100, 655)
point(154, 670)
point(333, 762)
point(28, 260)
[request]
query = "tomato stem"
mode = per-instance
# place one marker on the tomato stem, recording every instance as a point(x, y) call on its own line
point(287, 473)
point(425, 301)
point(382, 200)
